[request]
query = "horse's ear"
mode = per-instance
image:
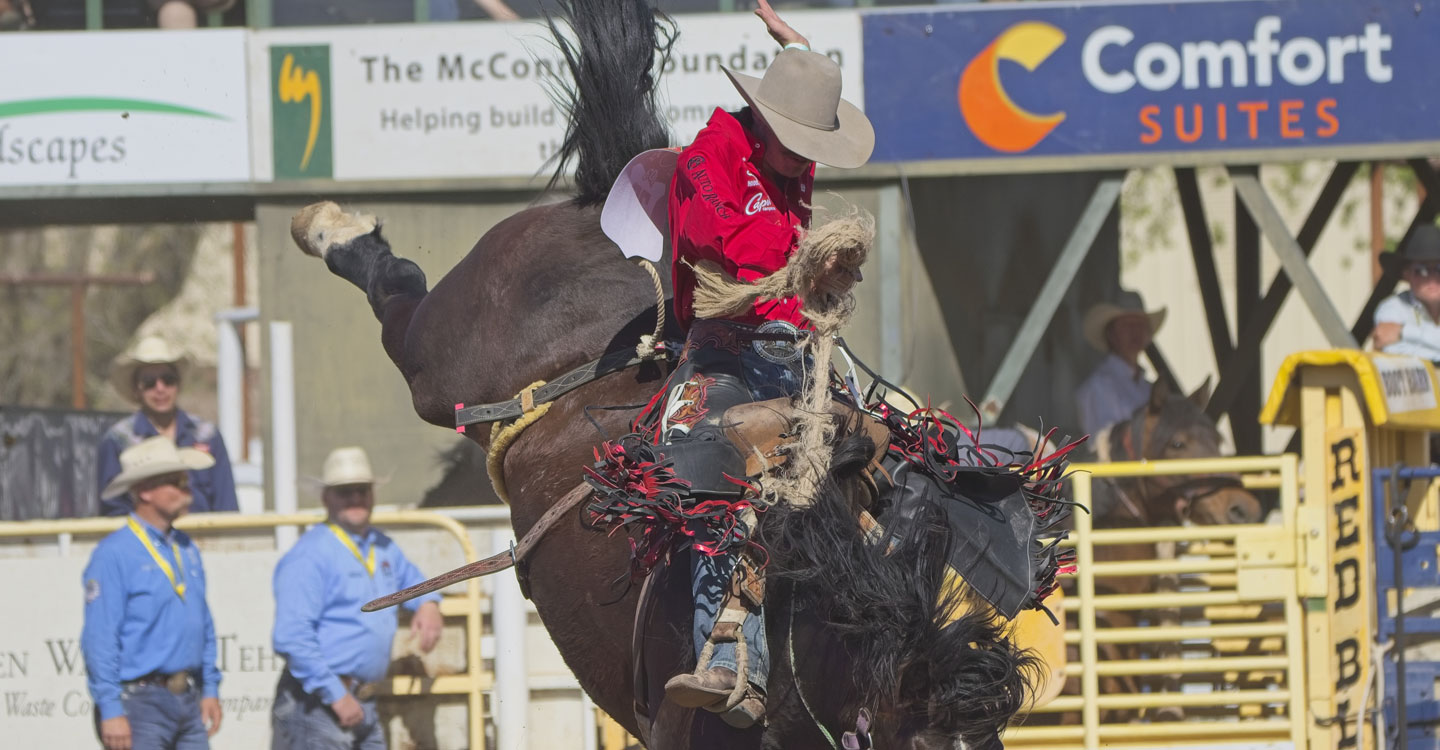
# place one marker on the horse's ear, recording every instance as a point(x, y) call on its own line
point(1201, 397)
point(1159, 394)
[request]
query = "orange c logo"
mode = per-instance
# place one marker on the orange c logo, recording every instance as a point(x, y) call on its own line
point(994, 119)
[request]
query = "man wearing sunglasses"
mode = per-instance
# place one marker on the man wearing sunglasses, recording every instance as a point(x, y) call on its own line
point(148, 640)
point(1409, 322)
point(150, 375)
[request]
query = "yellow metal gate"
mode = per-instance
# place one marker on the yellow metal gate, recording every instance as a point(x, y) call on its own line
point(1265, 635)
point(1229, 623)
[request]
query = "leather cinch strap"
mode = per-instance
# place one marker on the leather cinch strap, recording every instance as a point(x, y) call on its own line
point(514, 408)
point(494, 563)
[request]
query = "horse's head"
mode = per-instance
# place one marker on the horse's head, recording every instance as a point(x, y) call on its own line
point(1175, 426)
point(884, 629)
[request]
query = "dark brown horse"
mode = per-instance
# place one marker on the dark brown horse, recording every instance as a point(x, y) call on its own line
point(545, 291)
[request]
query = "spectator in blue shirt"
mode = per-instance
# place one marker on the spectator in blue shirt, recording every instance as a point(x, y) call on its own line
point(335, 655)
point(151, 376)
point(1117, 386)
point(1409, 322)
point(148, 640)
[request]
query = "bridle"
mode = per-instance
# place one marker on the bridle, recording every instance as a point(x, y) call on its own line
point(1190, 490)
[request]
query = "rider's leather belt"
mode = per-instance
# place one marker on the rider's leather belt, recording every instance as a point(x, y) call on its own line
point(778, 341)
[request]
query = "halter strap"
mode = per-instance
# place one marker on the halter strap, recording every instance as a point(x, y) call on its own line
point(368, 562)
point(160, 562)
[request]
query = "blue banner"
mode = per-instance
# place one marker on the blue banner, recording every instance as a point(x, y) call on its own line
point(1119, 80)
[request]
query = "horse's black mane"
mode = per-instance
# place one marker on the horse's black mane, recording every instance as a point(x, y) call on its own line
point(610, 106)
point(888, 610)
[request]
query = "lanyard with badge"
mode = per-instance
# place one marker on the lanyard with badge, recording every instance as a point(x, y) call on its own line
point(178, 585)
point(368, 562)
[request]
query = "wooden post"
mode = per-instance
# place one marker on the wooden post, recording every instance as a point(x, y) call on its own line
point(1377, 219)
point(237, 238)
point(79, 284)
point(77, 345)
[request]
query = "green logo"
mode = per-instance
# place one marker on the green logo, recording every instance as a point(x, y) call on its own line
point(300, 112)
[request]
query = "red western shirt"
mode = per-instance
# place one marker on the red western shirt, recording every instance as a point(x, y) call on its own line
point(724, 210)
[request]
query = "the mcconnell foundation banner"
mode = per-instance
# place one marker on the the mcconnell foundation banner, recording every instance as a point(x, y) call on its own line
point(1120, 81)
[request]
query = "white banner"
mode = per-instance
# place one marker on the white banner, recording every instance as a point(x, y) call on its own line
point(469, 100)
point(123, 108)
point(42, 673)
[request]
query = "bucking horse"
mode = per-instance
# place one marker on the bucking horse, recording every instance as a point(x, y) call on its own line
point(872, 644)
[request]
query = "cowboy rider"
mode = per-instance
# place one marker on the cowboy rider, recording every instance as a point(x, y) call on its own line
point(740, 199)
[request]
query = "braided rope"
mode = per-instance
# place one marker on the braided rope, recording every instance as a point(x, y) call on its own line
point(503, 435)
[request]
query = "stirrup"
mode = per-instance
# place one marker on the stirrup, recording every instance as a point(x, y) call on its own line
point(745, 714)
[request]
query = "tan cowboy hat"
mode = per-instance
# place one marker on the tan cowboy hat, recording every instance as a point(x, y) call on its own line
point(151, 350)
point(799, 98)
point(348, 465)
point(153, 457)
point(1126, 303)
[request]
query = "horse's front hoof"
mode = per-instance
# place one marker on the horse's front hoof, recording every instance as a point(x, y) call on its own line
point(319, 227)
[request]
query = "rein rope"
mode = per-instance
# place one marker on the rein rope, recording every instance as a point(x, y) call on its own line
point(503, 435)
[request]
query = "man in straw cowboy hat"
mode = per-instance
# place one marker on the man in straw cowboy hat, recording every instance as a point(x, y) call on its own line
point(1118, 386)
point(335, 654)
point(740, 203)
point(150, 375)
point(1409, 322)
point(148, 640)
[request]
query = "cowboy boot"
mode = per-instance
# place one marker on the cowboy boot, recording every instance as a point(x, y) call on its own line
point(708, 688)
point(711, 690)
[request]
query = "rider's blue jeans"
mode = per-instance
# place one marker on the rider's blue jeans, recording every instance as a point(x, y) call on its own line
point(764, 380)
point(711, 576)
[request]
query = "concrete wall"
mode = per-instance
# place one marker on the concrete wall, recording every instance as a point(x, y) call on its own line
point(347, 391)
point(950, 292)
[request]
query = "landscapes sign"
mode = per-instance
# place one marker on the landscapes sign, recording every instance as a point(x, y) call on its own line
point(469, 100)
point(1126, 80)
point(123, 108)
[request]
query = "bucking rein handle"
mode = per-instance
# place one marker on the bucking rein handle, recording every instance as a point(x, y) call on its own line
point(492, 564)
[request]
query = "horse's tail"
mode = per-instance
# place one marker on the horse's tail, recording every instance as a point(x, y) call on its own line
point(610, 101)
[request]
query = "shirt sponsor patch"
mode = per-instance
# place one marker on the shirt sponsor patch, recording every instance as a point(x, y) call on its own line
point(92, 590)
point(757, 203)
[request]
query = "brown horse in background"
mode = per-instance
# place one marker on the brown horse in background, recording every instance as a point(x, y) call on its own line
point(545, 291)
point(1169, 427)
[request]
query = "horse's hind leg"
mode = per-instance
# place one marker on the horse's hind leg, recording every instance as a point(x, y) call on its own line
point(352, 248)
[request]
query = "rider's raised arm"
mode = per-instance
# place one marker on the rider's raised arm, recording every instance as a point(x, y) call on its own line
point(780, 31)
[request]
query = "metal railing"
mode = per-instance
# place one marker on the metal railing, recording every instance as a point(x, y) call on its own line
point(1226, 573)
point(473, 683)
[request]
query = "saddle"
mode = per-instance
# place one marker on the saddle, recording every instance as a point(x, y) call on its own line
point(754, 438)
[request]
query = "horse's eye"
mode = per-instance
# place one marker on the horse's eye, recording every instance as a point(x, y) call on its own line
point(1178, 445)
